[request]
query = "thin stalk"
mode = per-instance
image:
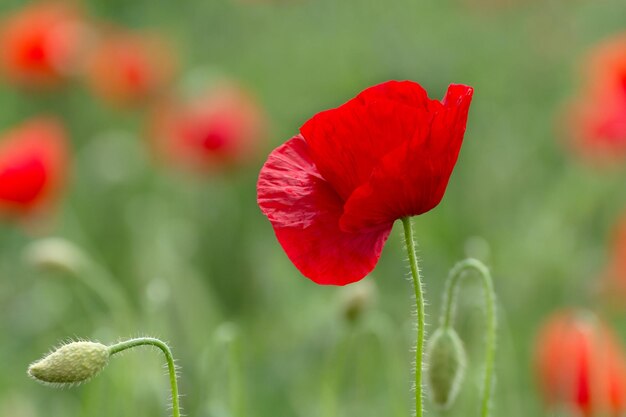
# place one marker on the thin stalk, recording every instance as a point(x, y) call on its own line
point(102, 283)
point(235, 378)
point(333, 374)
point(149, 341)
point(490, 314)
point(419, 304)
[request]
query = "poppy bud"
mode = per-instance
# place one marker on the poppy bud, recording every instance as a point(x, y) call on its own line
point(70, 364)
point(356, 299)
point(54, 254)
point(446, 366)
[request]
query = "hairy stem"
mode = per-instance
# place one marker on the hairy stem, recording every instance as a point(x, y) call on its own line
point(419, 303)
point(149, 341)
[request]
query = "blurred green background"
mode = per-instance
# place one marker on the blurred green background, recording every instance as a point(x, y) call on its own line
point(192, 260)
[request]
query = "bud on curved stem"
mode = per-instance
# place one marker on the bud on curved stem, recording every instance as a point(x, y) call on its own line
point(78, 362)
point(446, 366)
point(490, 315)
point(71, 364)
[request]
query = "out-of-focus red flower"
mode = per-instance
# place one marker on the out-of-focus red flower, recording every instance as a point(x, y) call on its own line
point(33, 166)
point(595, 120)
point(580, 365)
point(220, 127)
point(41, 43)
point(129, 68)
point(606, 67)
point(613, 280)
point(333, 192)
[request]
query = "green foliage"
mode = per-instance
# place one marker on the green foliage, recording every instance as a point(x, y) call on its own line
point(190, 254)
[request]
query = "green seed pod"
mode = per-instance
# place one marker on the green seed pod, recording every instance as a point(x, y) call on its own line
point(446, 366)
point(70, 364)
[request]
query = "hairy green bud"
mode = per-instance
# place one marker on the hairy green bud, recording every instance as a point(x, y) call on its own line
point(70, 364)
point(446, 366)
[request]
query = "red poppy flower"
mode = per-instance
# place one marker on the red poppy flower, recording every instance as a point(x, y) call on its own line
point(128, 68)
point(596, 119)
point(580, 365)
point(33, 164)
point(40, 44)
point(333, 192)
point(222, 126)
point(613, 284)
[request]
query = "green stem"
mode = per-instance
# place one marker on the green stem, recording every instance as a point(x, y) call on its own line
point(235, 379)
point(419, 303)
point(333, 374)
point(149, 341)
point(96, 277)
point(101, 283)
point(490, 312)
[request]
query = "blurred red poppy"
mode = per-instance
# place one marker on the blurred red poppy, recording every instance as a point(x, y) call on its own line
point(33, 166)
point(580, 365)
point(41, 43)
point(613, 283)
point(221, 127)
point(596, 119)
point(333, 192)
point(129, 68)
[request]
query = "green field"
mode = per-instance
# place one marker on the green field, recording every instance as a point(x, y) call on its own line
point(191, 259)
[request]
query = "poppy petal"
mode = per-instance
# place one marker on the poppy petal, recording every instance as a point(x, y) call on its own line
point(347, 143)
point(406, 92)
point(412, 179)
point(304, 210)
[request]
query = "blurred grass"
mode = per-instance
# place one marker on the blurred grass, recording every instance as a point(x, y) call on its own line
point(193, 254)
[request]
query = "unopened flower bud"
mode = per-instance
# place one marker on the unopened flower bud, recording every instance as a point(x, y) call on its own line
point(73, 363)
point(446, 366)
point(356, 299)
point(54, 254)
